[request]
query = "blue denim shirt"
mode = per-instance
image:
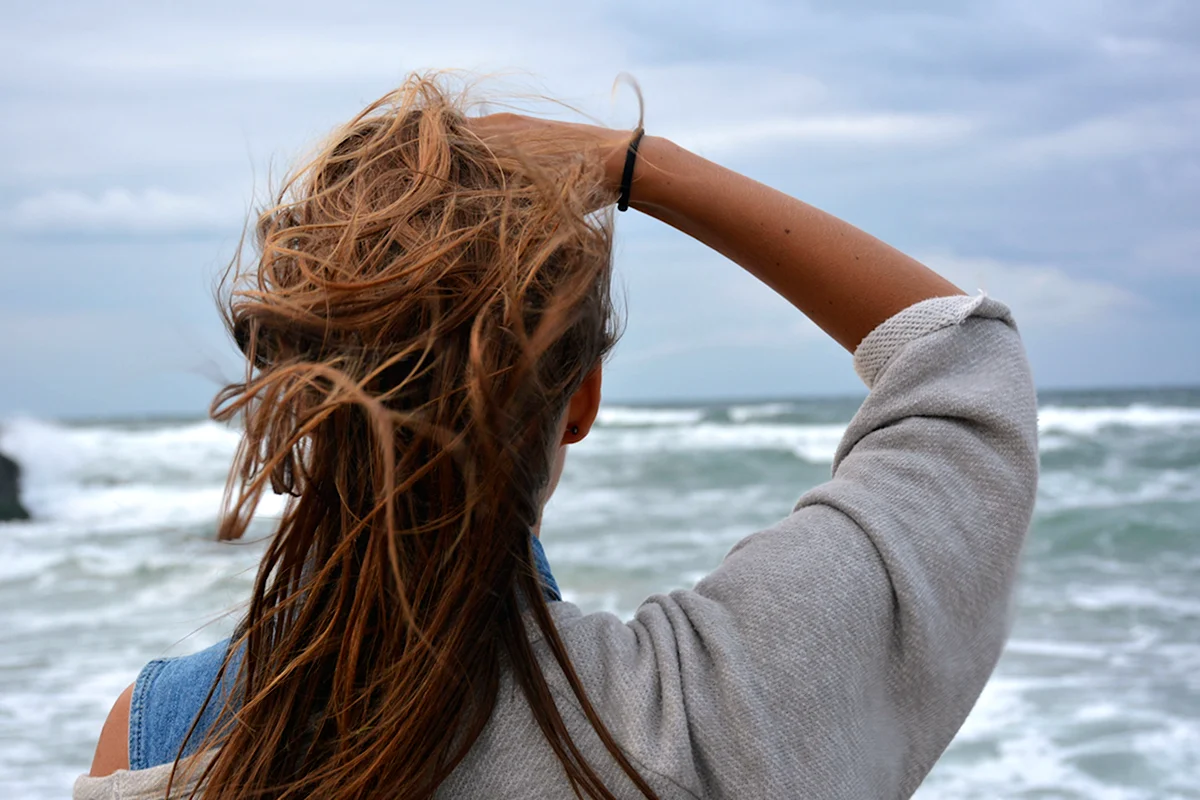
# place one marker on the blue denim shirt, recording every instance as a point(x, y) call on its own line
point(169, 693)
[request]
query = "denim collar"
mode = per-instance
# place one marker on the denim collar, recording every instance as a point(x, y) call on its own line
point(549, 585)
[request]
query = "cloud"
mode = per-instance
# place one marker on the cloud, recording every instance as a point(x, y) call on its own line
point(1130, 46)
point(754, 318)
point(120, 211)
point(1171, 253)
point(232, 42)
point(684, 299)
point(1044, 151)
point(847, 128)
point(789, 331)
point(1110, 136)
point(98, 362)
point(1040, 295)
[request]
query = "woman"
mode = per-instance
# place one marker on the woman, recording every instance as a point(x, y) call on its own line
point(424, 330)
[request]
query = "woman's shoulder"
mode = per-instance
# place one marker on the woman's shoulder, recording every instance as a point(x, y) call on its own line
point(169, 696)
point(112, 750)
point(151, 720)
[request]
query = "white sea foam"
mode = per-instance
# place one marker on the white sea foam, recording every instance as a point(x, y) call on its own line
point(816, 444)
point(50, 453)
point(111, 477)
point(1058, 649)
point(1089, 421)
point(630, 417)
point(1178, 743)
point(813, 443)
point(1049, 443)
point(1015, 744)
point(1124, 596)
point(119, 567)
point(1069, 490)
point(760, 411)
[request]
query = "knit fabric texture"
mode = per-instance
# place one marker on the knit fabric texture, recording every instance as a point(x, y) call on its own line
point(833, 654)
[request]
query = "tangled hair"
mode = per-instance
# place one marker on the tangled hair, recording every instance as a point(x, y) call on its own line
point(421, 311)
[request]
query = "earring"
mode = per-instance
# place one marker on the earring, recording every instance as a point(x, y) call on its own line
point(573, 430)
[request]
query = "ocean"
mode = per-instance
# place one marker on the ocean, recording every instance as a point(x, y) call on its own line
point(1097, 696)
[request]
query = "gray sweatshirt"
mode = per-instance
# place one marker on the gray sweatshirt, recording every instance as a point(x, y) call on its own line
point(834, 654)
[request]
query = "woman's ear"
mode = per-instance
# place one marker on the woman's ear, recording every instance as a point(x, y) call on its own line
point(582, 410)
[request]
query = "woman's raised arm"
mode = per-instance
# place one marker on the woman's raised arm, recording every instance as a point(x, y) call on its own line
point(844, 279)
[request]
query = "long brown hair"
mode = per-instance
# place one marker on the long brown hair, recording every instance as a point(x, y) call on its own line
point(420, 312)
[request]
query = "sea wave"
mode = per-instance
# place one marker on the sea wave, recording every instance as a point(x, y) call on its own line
point(760, 411)
point(57, 458)
point(637, 417)
point(168, 452)
point(816, 444)
point(101, 477)
point(1067, 490)
point(1096, 684)
point(1090, 421)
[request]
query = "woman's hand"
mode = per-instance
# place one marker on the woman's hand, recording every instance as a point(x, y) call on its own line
point(845, 280)
point(501, 131)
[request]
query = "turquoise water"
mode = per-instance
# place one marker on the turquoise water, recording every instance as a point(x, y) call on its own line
point(1097, 695)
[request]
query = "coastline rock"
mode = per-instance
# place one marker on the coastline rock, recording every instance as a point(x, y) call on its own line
point(10, 495)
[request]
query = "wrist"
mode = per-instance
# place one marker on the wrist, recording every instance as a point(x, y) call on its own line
point(652, 172)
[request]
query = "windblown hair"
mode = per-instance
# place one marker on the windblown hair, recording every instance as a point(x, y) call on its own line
point(421, 310)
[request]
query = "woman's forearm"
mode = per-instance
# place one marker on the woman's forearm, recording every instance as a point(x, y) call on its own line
point(845, 280)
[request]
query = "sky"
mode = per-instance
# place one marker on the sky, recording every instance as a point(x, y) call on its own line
point(1045, 152)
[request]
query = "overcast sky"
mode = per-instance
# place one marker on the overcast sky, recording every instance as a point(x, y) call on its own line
point(1044, 151)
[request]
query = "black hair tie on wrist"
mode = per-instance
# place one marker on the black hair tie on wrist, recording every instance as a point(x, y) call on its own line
point(627, 174)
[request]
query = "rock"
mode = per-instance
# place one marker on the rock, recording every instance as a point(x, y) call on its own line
point(10, 494)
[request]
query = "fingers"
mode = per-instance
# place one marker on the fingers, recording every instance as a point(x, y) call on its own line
point(506, 124)
point(506, 133)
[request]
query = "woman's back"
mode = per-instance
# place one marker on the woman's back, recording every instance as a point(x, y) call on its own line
point(834, 654)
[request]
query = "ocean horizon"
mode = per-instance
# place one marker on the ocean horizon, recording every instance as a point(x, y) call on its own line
point(1086, 393)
